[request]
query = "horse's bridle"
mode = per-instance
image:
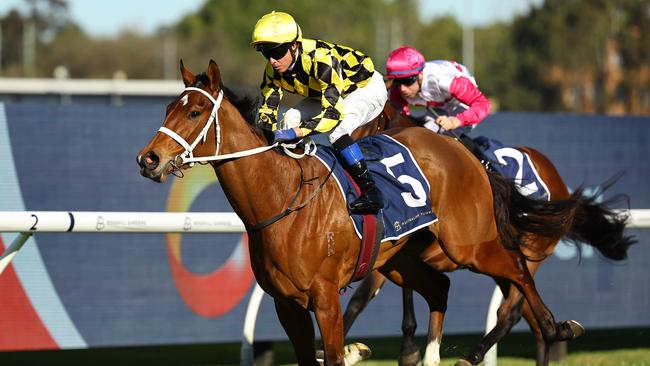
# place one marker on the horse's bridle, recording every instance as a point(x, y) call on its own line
point(187, 156)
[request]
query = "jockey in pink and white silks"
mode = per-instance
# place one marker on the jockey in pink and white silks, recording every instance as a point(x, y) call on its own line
point(447, 86)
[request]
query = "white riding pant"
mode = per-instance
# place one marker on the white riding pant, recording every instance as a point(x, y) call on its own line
point(360, 107)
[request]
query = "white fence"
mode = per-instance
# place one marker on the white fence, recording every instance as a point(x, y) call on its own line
point(30, 222)
point(86, 87)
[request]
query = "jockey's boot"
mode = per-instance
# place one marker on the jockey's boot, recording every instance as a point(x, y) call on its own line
point(371, 199)
point(476, 150)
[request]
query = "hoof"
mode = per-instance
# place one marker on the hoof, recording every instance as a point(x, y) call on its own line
point(320, 355)
point(356, 352)
point(569, 330)
point(577, 328)
point(462, 362)
point(411, 359)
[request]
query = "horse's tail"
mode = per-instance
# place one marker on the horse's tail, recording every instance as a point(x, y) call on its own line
point(577, 217)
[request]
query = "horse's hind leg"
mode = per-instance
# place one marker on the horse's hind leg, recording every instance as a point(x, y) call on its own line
point(566, 330)
point(543, 346)
point(492, 259)
point(508, 315)
point(298, 325)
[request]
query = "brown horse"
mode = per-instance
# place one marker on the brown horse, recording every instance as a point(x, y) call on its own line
point(510, 311)
point(308, 251)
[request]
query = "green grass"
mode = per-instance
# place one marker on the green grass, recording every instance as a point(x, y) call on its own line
point(621, 347)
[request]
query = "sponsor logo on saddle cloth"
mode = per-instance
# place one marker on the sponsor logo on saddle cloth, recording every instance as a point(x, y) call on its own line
point(397, 174)
point(516, 166)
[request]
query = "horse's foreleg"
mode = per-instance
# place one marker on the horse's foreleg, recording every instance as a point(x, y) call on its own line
point(327, 309)
point(368, 289)
point(298, 325)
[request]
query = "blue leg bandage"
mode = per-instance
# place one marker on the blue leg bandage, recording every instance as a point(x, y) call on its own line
point(352, 154)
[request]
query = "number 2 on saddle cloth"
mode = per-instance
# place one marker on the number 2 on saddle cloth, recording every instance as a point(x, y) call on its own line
point(511, 163)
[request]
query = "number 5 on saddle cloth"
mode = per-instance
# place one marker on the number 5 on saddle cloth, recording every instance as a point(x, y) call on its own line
point(397, 174)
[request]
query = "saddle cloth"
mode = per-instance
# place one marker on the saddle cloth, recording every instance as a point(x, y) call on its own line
point(397, 175)
point(516, 166)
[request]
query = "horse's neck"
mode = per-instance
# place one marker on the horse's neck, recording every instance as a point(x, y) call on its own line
point(257, 186)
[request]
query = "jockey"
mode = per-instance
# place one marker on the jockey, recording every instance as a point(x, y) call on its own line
point(446, 86)
point(351, 93)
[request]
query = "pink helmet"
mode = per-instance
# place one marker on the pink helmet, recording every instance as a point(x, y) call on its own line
point(403, 62)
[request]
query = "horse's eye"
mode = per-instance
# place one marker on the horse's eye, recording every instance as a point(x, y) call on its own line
point(194, 114)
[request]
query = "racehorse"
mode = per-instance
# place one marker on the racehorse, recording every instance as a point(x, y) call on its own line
point(303, 253)
point(538, 248)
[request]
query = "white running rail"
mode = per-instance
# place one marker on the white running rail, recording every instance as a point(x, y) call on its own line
point(30, 222)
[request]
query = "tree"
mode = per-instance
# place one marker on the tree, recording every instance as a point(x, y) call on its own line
point(575, 54)
point(12, 49)
point(47, 18)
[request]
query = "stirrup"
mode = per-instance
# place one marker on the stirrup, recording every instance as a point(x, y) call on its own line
point(364, 206)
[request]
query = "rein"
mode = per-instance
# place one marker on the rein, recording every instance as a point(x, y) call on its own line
point(187, 157)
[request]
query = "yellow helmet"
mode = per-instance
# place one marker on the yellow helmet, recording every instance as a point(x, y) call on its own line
point(276, 27)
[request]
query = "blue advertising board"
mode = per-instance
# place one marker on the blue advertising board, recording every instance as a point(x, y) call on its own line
point(87, 290)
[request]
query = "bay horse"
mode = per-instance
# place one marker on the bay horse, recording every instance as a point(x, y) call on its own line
point(536, 247)
point(303, 254)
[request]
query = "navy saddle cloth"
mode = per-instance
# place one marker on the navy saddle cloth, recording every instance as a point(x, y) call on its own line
point(514, 165)
point(398, 176)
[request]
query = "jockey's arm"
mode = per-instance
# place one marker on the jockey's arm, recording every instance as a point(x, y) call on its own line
point(271, 95)
point(467, 93)
point(331, 84)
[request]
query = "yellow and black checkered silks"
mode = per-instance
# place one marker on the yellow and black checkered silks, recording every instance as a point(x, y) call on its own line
point(324, 71)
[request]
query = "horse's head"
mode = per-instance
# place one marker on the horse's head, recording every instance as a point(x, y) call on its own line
point(186, 129)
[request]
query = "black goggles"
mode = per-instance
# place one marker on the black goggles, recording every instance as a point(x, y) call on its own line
point(409, 80)
point(274, 51)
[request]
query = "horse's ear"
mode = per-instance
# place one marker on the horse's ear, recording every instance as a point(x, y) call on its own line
point(215, 75)
point(188, 77)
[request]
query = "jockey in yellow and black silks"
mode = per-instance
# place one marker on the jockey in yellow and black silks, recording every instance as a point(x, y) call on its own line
point(344, 82)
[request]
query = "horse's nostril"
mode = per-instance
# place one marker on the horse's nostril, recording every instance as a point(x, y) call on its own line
point(151, 160)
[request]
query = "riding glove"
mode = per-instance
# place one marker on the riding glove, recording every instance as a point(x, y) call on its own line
point(291, 118)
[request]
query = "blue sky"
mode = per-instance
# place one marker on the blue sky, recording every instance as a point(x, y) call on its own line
point(108, 17)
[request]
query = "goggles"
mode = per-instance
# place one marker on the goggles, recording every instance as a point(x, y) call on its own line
point(274, 51)
point(409, 80)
